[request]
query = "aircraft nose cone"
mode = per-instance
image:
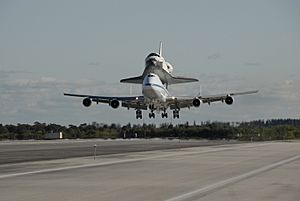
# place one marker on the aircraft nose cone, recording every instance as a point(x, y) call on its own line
point(151, 62)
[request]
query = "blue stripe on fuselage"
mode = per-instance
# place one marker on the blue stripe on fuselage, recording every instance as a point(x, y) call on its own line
point(157, 85)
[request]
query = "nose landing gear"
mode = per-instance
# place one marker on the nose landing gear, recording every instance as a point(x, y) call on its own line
point(176, 114)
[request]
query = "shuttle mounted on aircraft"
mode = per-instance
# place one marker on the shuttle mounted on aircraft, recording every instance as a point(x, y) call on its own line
point(155, 95)
point(155, 63)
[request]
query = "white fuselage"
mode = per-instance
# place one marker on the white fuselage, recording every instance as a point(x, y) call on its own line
point(153, 89)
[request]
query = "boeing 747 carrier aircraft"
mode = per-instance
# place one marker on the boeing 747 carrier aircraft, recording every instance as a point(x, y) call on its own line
point(155, 95)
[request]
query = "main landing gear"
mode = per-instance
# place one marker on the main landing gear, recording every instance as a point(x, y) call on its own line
point(176, 114)
point(138, 114)
point(164, 114)
point(152, 114)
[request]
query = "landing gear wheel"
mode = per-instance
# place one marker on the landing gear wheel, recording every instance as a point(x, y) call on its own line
point(151, 115)
point(138, 114)
point(164, 115)
point(176, 114)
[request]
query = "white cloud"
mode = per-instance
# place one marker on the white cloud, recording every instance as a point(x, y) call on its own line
point(41, 99)
point(5, 74)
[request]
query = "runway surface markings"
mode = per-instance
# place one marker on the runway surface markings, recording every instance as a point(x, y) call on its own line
point(129, 160)
point(218, 185)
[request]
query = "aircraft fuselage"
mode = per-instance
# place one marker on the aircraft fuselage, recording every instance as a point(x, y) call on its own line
point(153, 89)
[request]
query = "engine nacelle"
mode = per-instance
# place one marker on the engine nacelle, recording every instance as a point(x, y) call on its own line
point(169, 67)
point(114, 103)
point(229, 100)
point(87, 102)
point(196, 102)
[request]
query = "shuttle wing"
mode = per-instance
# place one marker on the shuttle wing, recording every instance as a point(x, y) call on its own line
point(168, 78)
point(178, 79)
point(133, 80)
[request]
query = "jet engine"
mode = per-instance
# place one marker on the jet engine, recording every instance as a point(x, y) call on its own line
point(87, 102)
point(114, 103)
point(169, 67)
point(196, 102)
point(229, 100)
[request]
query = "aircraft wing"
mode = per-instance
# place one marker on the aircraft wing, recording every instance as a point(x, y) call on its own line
point(222, 97)
point(183, 102)
point(136, 102)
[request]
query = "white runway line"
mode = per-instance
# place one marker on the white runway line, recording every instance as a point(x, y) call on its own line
point(206, 189)
point(129, 160)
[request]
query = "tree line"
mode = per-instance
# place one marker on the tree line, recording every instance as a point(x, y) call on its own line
point(259, 130)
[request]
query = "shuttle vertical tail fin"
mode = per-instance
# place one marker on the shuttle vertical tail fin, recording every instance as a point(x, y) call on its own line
point(160, 49)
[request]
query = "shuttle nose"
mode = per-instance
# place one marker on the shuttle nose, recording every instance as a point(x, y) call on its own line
point(151, 62)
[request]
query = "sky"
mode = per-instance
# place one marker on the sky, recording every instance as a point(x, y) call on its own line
point(51, 47)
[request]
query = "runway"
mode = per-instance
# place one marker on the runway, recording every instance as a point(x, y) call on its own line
point(24, 151)
point(248, 171)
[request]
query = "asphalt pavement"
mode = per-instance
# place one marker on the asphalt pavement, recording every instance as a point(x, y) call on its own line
point(265, 171)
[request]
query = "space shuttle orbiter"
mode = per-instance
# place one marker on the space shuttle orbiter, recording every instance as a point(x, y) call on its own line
point(155, 63)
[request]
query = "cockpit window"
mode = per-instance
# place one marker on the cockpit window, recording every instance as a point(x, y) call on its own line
point(150, 75)
point(153, 54)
